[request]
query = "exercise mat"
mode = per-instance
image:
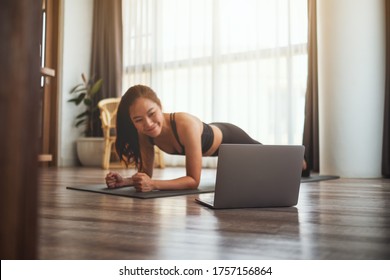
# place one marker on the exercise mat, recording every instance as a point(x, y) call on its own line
point(318, 178)
point(205, 186)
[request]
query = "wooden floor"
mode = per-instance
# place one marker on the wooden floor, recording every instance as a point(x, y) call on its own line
point(337, 219)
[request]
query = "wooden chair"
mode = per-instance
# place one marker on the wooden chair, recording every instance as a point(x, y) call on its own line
point(108, 109)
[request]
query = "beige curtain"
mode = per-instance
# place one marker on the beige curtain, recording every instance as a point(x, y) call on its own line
point(106, 62)
point(386, 127)
point(310, 132)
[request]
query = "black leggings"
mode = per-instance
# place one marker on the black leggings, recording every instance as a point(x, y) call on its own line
point(232, 134)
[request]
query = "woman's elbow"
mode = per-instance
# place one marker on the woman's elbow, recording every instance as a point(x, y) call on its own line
point(194, 184)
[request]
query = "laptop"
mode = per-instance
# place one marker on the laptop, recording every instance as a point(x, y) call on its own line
point(251, 175)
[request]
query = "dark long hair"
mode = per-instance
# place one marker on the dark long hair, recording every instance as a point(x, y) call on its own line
point(127, 141)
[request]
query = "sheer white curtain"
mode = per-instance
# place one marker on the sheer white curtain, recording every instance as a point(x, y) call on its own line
point(238, 61)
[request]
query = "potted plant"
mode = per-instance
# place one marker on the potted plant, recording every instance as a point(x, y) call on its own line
point(89, 147)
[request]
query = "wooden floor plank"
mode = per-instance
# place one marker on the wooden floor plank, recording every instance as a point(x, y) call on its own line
point(337, 219)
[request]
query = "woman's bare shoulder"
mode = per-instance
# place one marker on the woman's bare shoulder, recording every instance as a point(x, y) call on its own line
point(186, 117)
point(187, 122)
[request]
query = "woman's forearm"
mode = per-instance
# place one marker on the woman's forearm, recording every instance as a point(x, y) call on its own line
point(128, 181)
point(182, 183)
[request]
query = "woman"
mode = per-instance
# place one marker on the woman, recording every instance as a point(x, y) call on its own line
point(141, 124)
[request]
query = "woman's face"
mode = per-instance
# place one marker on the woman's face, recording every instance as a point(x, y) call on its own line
point(146, 116)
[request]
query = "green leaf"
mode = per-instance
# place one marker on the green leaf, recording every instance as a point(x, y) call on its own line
point(83, 114)
point(83, 89)
point(74, 100)
point(96, 87)
point(80, 122)
point(75, 88)
point(83, 77)
point(87, 102)
point(80, 98)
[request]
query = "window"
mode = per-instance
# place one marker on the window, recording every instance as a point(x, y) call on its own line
point(239, 61)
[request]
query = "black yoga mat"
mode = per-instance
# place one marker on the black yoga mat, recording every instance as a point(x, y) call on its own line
point(205, 186)
point(318, 178)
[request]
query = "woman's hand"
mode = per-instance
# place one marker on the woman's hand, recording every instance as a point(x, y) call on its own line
point(114, 180)
point(142, 182)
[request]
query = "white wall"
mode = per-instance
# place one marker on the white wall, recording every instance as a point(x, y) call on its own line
point(74, 57)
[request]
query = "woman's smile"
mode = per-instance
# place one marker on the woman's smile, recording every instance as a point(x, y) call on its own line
point(153, 130)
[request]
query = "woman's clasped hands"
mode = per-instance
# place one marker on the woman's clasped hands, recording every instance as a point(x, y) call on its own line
point(141, 181)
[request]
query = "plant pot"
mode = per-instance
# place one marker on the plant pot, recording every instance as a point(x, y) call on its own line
point(90, 151)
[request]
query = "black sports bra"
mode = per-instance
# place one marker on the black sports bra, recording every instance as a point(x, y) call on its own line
point(207, 137)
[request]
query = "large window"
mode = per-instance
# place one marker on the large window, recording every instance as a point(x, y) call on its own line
point(239, 61)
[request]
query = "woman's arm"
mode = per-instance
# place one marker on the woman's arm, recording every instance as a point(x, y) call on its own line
point(147, 155)
point(115, 180)
point(143, 183)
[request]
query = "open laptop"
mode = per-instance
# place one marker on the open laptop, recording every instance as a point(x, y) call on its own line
point(251, 175)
